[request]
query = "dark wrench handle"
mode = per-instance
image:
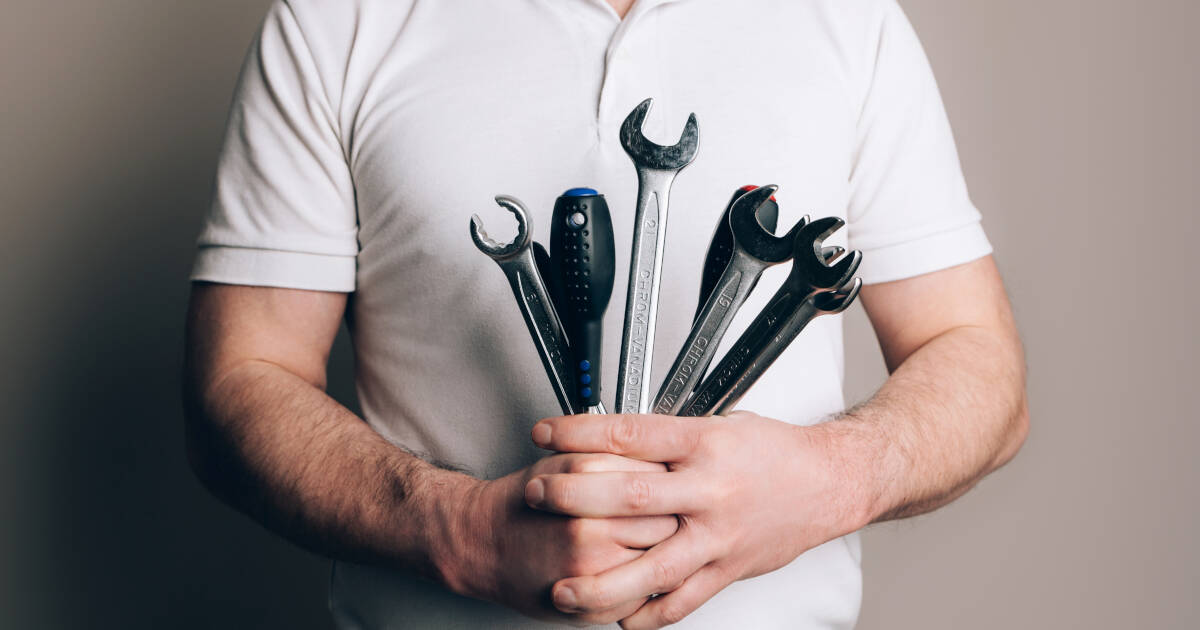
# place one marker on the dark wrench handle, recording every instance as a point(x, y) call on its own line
point(583, 266)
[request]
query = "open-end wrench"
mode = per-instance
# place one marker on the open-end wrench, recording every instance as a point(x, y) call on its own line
point(793, 306)
point(517, 261)
point(754, 249)
point(656, 167)
point(720, 250)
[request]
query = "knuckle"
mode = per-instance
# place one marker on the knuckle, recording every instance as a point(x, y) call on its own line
point(637, 494)
point(584, 563)
point(666, 575)
point(584, 530)
point(623, 434)
point(712, 439)
point(560, 494)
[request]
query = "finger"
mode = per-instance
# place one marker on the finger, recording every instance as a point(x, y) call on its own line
point(607, 494)
point(640, 436)
point(612, 615)
point(661, 569)
point(602, 462)
point(642, 532)
point(679, 603)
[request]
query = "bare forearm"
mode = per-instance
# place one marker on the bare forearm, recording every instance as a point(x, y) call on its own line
point(951, 413)
point(281, 450)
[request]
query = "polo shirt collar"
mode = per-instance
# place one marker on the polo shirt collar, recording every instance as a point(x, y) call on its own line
point(639, 8)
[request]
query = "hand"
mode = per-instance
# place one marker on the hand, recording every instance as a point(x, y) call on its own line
point(751, 495)
point(511, 554)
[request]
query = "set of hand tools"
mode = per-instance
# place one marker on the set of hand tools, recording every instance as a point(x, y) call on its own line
point(564, 292)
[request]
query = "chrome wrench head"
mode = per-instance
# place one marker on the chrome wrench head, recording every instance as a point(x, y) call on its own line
point(649, 154)
point(502, 251)
point(834, 302)
point(751, 237)
point(809, 269)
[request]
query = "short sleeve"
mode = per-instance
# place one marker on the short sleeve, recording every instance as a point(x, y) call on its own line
point(283, 211)
point(909, 212)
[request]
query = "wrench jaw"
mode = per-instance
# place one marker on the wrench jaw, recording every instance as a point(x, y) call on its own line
point(834, 302)
point(749, 234)
point(809, 268)
point(496, 250)
point(652, 155)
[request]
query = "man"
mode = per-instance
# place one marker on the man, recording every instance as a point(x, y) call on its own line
point(365, 133)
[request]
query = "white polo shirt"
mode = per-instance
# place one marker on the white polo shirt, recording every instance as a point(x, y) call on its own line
point(364, 134)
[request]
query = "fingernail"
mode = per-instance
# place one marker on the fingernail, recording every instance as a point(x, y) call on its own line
point(564, 599)
point(535, 492)
point(541, 434)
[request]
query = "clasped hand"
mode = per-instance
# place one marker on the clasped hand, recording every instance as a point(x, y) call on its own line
point(750, 495)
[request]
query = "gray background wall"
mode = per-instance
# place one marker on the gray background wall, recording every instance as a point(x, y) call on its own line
point(1076, 121)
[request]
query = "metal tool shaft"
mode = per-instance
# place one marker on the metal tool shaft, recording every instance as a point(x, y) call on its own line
point(701, 345)
point(542, 322)
point(744, 362)
point(645, 277)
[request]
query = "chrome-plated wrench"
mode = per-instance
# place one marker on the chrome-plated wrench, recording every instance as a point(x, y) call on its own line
point(516, 260)
point(754, 250)
point(813, 288)
point(656, 167)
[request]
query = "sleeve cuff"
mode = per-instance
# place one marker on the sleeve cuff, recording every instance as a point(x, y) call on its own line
point(274, 268)
point(923, 255)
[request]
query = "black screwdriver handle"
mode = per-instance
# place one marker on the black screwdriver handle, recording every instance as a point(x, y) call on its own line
point(720, 250)
point(583, 261)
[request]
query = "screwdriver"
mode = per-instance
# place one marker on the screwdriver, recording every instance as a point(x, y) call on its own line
point(582, 266)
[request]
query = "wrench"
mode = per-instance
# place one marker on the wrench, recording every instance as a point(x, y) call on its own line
point(720, 250)
point(656, 167)
point(754, 249)
point(813, 288)
point(516, 260)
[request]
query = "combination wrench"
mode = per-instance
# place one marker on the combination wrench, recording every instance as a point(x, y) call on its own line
point(720, 250)
point(517, 261)
point(657, 167)
point(813, 288)
point(754, 249)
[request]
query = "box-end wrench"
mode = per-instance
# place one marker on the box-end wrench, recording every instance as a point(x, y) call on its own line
point(813, 288)
point(754, 250)
point(516, 260)
point(656, 167)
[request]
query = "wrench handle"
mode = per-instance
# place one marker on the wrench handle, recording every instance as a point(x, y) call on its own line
point(544, 326)
point(641, 302)
point(728, 295)
point(762, 343)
